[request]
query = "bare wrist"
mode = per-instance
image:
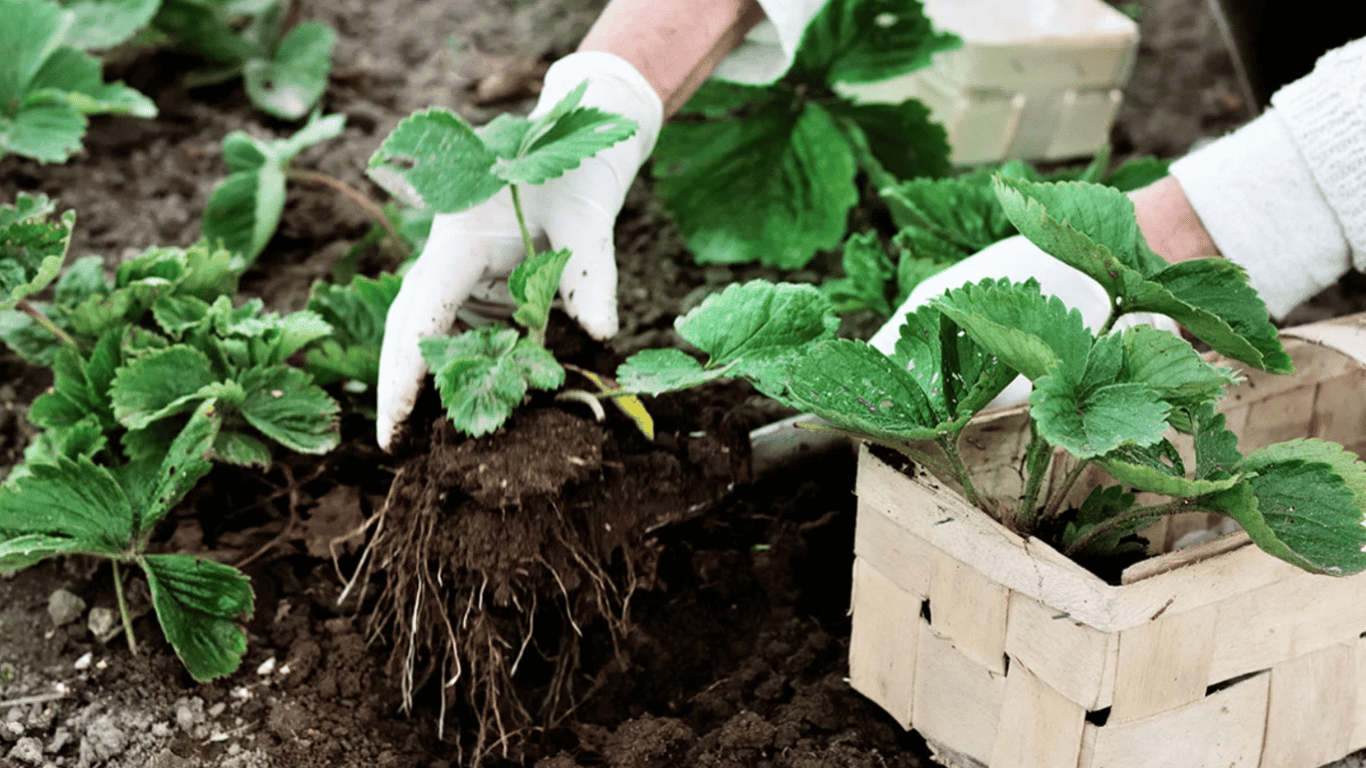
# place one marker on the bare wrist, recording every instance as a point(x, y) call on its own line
point(1170, 224)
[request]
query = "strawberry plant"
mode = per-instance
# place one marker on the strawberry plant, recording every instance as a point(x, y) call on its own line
point(768, 173)
point(436, 160)
point(48, 85)
point(1106, 397)
point(70, 504)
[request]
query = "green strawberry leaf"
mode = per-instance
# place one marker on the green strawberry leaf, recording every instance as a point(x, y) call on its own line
point(560, 140)
point(867, 269)
point(200, 605)
point(85, 438)
point(158, 384)
point(756, 320)
point(653, 371)
point(1171, 367)
point(774, 187)
point(82, 280)
point(31, 247)
point(483, 374)
point(70, 498)
point(30, 31)
point(188, 459)
point(24, 550)
point(47, 131)
point(434, 159)
point(857, 388)
point(1302, 511)
point(291, 82)
point(1216, 447)
point(357, 314)
point(956, 374)
point(233, 447)
point(864, 41)
point(1031, 333)
point(101, 24)
point(1211, 299)
point(949, 218)
point(1092, 421)
point(1158, 469)
point(1137, 173)
point(177, 314)
point(74, 77)
point(1101, 504)
point(533, 285)
point(902, 137)
point(285, 405)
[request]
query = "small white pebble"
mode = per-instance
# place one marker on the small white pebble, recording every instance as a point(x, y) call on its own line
point(217, 709)
point(84, 661)
point(267, 667)
point(241, 692)
point(284, 669)
point(101, 664)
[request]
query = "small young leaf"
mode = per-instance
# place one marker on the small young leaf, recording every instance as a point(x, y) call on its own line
point(356, 313)
point(856, 387)
point(1090, 422)
point(286, 406)
point(533, 285)
point(74, 77)
point(867, 269)
point(775, 187)
point(177, 314)
point(483, 374)
point(962, 214)
point(434, 159)
point(82, 280)
point(1103, 503)
point(1216, 447)
point(291, 82)
point(84, 438)
point(653, 371)
point(244, 210)
point(956, 374)
point(200, 605)
point(575, 136)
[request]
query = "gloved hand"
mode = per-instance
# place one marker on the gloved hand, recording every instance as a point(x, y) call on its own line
point(1018, 259)
point(468, 256)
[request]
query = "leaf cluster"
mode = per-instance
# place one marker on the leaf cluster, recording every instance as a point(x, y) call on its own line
point(766, 173)
point(48, 84)
point(943, 221)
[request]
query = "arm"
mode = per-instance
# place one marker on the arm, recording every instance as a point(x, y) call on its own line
point(676, 44)
point(1170, 224)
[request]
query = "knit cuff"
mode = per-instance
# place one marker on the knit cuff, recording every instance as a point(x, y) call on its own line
point(1262, 207)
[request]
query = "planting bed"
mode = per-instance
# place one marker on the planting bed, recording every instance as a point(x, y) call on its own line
point(734, 647)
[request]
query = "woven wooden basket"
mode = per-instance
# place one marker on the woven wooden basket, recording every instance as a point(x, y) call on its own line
point(1003, 653)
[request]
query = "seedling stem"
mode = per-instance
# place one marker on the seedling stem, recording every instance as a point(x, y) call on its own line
point(123, 608)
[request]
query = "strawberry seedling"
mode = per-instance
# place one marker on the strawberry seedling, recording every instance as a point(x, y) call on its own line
point(436, 160)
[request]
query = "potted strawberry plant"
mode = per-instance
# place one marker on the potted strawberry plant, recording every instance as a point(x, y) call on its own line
point(975, 620)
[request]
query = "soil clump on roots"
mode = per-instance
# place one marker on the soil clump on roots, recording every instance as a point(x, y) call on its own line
point(498, 554)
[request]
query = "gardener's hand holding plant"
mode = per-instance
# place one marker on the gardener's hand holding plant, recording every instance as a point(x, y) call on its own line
point(642, 60)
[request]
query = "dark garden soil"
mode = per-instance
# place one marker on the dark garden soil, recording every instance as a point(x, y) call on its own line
point(659, 606)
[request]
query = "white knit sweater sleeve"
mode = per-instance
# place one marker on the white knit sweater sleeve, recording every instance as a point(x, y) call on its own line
point(768, 50)
point(1285, 196)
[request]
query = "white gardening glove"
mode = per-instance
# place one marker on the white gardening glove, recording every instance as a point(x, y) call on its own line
point(1019, 260)
point(469, 255)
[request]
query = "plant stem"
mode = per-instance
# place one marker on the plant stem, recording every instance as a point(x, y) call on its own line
point(1036, 466)
point(521, 222)
point(123, 608)
point(950, 445)
point(354, 195)
point(1111, 320)
point(24, 306)
point(1060, 494)
point(1173, 507)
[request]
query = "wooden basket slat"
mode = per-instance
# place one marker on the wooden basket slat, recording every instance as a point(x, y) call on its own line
point(1358, 738)
point(882, 644)
point(1163, 665)
point(1076, 660)
point(969, 610)
point(1222, 730)
point(957, 702)
point(1310, 708)
point(1039, 727)
point(905, 559)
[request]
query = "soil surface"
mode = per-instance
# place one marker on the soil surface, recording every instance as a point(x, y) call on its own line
point(713, 629)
